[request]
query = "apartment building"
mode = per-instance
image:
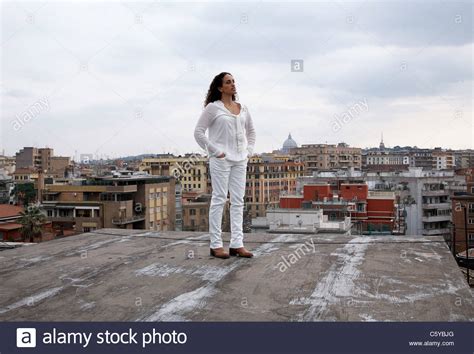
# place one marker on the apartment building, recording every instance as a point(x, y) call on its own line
point(128, 202)
point(464, 158)
point(42, 159)
point(400, 158)
point(267, 178)
point(190, 170)
point(443, 159)
point(7, 164)
point(6, 187)
point(195, 212)
point(368, 211)
point(317, 157)
point(385, 160)
point(463, 214)
point(425, 195)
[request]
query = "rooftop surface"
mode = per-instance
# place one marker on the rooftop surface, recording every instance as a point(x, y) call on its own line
point(134, 275)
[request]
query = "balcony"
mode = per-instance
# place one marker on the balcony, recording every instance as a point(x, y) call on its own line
point(121, 189)
point(432, 232)
point(436, 218)
point(436, 206)
point(381, 195)
point(128, 220)
point(437, 192)
point(61, 218)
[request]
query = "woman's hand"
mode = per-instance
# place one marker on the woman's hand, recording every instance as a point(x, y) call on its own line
point(221, 155)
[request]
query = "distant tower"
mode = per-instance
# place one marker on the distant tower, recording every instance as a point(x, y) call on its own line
point(382, 145)
point(288, 144)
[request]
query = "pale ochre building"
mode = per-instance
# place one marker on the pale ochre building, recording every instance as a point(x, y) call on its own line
point(191, 170)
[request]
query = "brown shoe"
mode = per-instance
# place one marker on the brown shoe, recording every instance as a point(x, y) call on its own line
point(240, 252)
point(219, 253)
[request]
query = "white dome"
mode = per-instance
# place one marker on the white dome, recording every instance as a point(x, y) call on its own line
point(289, 144)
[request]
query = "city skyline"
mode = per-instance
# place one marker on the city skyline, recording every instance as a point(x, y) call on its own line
point(134, 84)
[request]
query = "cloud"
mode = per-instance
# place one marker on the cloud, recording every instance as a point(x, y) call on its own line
point(104, 65)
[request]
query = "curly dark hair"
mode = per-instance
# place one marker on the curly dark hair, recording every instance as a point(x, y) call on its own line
point(213, 94)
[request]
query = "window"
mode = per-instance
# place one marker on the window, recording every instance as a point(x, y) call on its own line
point(192, 211)
point(471, 220)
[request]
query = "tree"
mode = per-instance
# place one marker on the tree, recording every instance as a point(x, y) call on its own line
point(31, 220)
point(24, 193)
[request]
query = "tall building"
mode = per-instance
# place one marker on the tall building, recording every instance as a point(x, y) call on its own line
point(268, 177)
point(421, 158)
point(128, 202)
point(464, 158)
point(42, 159)
point(463, 214)
point(443, 159)
point(317, 157)
point(385, 159)
point(400, 158)
point(190, 170)
point(422, 195)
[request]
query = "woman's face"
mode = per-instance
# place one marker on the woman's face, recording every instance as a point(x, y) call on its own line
point(228, 85)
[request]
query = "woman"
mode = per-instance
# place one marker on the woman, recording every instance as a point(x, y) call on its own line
point(230, 144)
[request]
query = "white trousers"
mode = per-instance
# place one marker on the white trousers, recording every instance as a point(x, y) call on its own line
point(227, 176)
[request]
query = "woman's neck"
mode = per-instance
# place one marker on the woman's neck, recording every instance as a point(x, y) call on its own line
point(227, 99)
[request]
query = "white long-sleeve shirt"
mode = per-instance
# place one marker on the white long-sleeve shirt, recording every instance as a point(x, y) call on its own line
point(229, 133)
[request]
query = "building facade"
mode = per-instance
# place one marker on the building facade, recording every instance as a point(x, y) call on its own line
point(130, 202)
point(190, 170)
point(317, 157)
point(267, 179)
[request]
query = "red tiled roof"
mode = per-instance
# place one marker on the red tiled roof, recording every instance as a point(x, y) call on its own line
point(7, 210)
point(9, 226)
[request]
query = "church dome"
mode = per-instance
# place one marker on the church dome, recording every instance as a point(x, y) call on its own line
point(289, 144)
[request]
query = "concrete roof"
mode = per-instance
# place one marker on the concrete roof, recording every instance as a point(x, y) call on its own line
point(134, 275)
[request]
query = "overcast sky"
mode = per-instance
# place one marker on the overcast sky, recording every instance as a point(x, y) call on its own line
point(118, 78)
